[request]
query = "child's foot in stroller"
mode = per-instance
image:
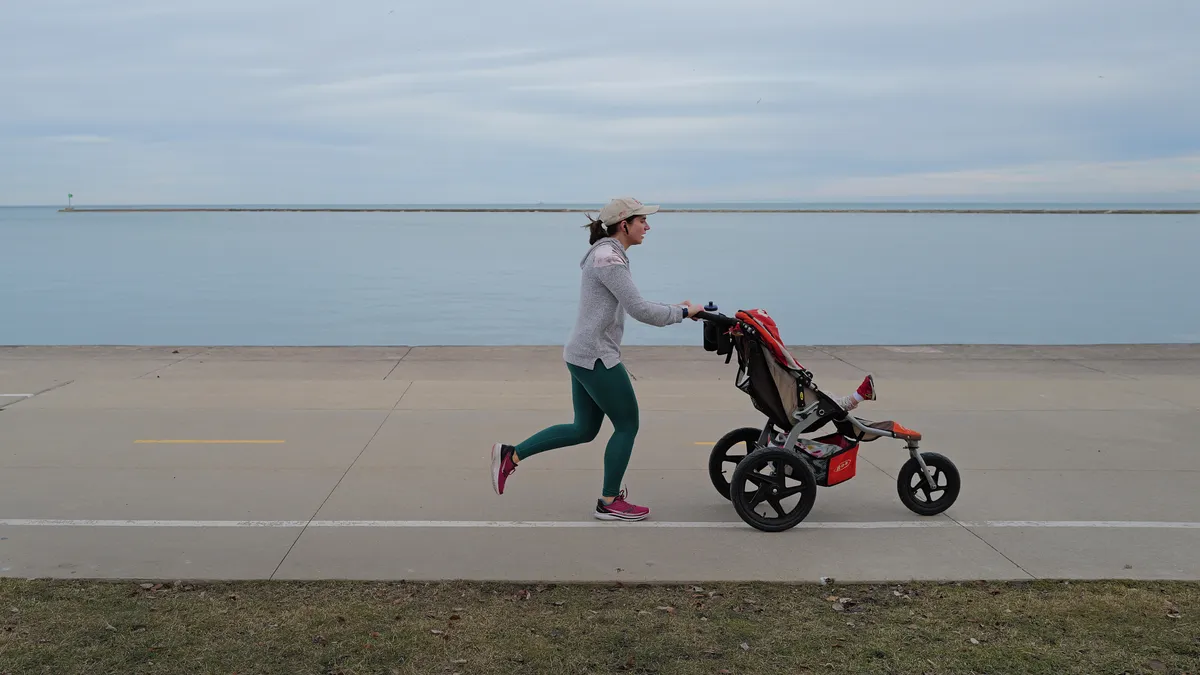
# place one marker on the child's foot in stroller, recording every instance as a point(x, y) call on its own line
point(866, 390)
point(616, 508)
point(504, 463)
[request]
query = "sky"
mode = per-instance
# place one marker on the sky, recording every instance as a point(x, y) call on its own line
point(525, 101)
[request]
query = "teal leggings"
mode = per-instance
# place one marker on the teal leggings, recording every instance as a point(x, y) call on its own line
point(594, 394)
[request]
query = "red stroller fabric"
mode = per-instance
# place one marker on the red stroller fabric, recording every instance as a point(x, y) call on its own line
point(765, 326)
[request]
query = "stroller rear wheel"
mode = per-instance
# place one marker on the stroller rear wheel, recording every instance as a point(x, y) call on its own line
point(731, 449)
point(770, 478)
point(915, 492)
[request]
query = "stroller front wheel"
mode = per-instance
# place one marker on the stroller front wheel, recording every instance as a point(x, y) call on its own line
point(916, 494)
point(771, 478)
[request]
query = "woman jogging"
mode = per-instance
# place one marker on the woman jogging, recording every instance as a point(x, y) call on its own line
point(599, 382)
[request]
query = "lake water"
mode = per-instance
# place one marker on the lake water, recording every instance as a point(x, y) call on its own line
point(512, 278)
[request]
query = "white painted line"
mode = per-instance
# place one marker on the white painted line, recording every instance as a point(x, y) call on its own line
point(16, 395)
point(571, 524)
point(49, 522)
point(1102, 524)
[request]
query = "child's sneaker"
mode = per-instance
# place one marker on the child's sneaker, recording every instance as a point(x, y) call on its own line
point(502, 465)
point(619, 509)
point(867, 389)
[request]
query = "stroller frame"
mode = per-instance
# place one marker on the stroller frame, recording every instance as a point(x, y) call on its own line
point(784, 390)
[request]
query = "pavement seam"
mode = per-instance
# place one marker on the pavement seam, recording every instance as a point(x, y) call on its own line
point(398, 364)
point(339, 482)
point(1096, 370)
point(963, 526)
point(173, 363)
point(35, 395)
point(838, 358)
point(989, 545)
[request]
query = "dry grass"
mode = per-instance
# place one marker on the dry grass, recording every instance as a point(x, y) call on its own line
point(354, 628)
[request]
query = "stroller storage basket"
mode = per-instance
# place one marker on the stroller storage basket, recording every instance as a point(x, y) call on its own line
point(836, 468)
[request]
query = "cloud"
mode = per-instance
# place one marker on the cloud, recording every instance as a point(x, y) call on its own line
point(1163, 177)
point(382, 101)
point(79, 138)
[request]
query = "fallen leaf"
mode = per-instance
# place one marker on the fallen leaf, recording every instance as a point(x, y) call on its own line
point(437, 632)
point(745, 647)
point(559, 603)
point(668, 610)
point(374, 634)
point(697, 589)
point(319, 640)
point(974, 641)
point(147, 587)
point(1174, 614)
point(832, 598)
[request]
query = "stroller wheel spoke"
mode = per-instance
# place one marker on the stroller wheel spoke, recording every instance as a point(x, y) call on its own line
point(757, 497)
point(760, 481)
point(778, 506)
point(791, 491)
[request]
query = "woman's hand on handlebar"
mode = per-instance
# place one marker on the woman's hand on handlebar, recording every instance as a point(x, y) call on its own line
point(692, 309)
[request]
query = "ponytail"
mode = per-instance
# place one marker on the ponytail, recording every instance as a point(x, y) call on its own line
point(597, 230)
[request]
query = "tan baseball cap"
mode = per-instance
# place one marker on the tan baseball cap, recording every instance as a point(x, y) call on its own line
point(624, 207)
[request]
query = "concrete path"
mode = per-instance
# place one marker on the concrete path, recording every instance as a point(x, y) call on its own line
point(286, 463)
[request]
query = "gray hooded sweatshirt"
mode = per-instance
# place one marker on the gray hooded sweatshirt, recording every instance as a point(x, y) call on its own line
point(606, 293)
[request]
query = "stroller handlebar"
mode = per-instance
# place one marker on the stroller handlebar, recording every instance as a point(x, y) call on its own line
point(720, 319)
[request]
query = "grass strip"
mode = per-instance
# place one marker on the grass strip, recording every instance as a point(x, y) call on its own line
point(359, 628)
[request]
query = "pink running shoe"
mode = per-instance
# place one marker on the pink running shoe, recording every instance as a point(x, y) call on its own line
point(503, 465)
point(867, 389)
point(620, 509)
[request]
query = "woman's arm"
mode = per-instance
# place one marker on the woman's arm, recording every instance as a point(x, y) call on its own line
point(614, 274)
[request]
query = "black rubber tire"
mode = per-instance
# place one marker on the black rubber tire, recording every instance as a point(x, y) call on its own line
point(751, 467)
point(911, 472)
point(721, 455)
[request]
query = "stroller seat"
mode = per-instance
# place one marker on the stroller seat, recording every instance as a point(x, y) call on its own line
point(764, 326)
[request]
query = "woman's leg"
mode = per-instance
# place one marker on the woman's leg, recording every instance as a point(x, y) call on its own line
point(611, 389)
point(588, 417)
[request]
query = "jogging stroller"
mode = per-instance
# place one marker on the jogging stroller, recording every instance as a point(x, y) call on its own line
point(775, 463)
